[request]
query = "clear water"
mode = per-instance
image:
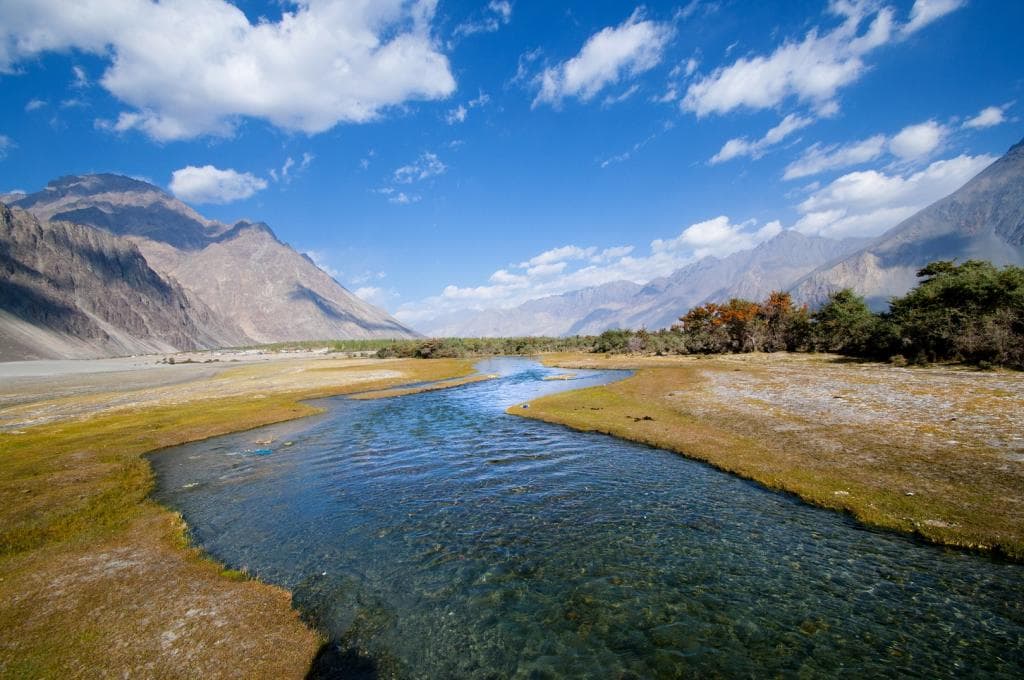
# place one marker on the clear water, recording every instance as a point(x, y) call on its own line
point(434, 536)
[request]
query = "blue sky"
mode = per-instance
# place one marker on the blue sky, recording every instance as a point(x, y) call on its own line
point(439, 156)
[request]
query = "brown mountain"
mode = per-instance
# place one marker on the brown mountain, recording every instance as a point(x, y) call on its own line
point(243, 273)
point(72, 291)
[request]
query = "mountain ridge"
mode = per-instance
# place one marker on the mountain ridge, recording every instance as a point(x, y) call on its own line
point(242, 272)
point(73, 291)
point(657, 304)
point(983, 219)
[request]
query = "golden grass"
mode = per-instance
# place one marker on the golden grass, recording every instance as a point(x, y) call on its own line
point(948, 475)
point(95, 579)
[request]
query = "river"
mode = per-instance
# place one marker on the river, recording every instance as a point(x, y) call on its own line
point(435, 536)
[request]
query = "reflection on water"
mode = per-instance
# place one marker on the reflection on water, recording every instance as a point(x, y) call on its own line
point(434, 536)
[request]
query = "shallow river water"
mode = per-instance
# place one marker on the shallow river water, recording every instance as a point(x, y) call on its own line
point(434, 536)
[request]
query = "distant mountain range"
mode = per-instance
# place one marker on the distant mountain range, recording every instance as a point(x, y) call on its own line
point(984, 219)
point(772, 265)
point(99, 265)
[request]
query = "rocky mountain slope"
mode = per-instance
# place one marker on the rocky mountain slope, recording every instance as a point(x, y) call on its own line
point(772, 265)
point(72, 291)
point(982, 220)
point(243, 273)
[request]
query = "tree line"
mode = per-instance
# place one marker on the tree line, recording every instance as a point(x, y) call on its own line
point(971, 312)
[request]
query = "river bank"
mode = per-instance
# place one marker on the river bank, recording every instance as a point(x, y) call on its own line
point(97, 578)
point(937, 452)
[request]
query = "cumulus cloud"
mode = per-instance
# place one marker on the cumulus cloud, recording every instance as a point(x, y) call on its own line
point(913, 143)
point(718, 237)
point(609, 56)
point(925, 12)
point(870, 202)
point(814, 69)
point(811, 70)
point(213, 185)
point(741, 146)
point(917, 141)
point(987, 117)
point(818, 158)
point(193, 68)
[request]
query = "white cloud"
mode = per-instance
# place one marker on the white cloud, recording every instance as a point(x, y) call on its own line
point(460, 112)
point(456, 115)
point(6, 143)
point(609, 56)
point(868, 203)
point(925, 12)
point(818, 158)
point(613, 253)
point(812, 70)
point(717, 236)
point(626, 155)
point(213, 185)
point(81, 78)
point(34, 104)
point(741, 146)
point(987, 117)
point(375, 295)
point(426, 166)
point(917, 141)
point(559, 254)
point(498, 13)
point(612, 100)
point(195, 68)
point(285, 174)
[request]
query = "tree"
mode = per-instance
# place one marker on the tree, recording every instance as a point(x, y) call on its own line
point(972, 312)
point(844, 324)
point(702, 329)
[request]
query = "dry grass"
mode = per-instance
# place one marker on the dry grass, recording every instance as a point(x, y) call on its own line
point(97, 580)
point(938, 452)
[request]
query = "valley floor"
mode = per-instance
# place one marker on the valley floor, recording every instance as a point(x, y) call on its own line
point(98, 580)
point(938, 452)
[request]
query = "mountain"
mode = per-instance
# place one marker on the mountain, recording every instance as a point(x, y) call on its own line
point(243, 273)
point(72, 291)
point(772, 265)
point(984, 220)
point(552, 315)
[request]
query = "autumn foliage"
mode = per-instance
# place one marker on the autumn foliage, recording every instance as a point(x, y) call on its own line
point(744, 326)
